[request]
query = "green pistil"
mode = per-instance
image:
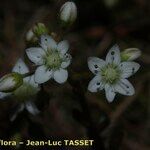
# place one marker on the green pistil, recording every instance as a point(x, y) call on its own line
point(53, 60)
point(110, 73)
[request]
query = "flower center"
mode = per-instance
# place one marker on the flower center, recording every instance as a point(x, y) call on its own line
point(110, 73)
point(53, 60)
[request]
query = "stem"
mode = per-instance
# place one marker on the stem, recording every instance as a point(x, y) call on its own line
point(28, 74)
point(92, 130)
point(93, 133)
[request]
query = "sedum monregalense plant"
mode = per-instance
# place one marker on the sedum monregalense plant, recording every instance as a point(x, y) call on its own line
point(50, 60)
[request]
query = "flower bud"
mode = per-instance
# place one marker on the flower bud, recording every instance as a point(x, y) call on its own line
point(68, 12)
point(10, 82)
point(30, 36)
point(130, 54)
point(40, 29)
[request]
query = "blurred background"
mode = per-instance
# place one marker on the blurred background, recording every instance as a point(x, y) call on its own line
point(123, 124)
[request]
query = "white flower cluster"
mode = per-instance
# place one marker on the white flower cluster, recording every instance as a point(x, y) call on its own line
point(52, 59)
point(25, 92)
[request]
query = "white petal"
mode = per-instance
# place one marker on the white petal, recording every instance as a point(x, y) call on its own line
point(60, 75)
point(3, 95)
point(66, 60)
point(42, 74)
point(21, 107)
point(47, 43)
point(95, 64)
point(35, 54)
point(18, 110)
point(31, 107)
point(128, 68)
point(32, 82)
point(65, 64)
point(20, 67)
point(95, 84)
point(63, 47)
point(110, 94)
point(113, 55)
point(124, 87)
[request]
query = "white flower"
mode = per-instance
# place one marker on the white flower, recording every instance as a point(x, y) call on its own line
point(51, 58)
point(68, 12)
point(26, 92)
point(111, 74)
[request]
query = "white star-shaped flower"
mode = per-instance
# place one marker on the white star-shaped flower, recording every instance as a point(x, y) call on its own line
point(26, 92)
point(51, 58)
point(112, 74)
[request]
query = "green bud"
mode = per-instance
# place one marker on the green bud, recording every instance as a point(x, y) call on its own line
point(40, 29)
point(10, 82)
point(130, 54)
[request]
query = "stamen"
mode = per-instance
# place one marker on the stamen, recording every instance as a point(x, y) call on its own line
point(53, 60)
point(110, 73)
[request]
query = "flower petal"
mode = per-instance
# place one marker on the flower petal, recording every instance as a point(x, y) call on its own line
point(3, 95)
point(95, 64)
point(63, 47)
point(128, 68)
point(48, 43)
point(32, 82)
point(110, 94)
point(60, 75)
point(66, 60)
point(17, 110)
point(113, 55)
point(124, 87)
point(42, 74)
point(95, 84)
point(20, 67)
point(35, 54)
point(31, 107)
